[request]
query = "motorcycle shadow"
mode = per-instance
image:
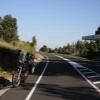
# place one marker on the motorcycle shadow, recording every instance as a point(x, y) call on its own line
point(4, 83)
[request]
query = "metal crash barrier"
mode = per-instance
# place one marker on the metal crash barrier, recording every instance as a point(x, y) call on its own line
point(91, 37)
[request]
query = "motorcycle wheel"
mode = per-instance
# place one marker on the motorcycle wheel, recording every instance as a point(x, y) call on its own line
point(24, 76)
point(16, 79)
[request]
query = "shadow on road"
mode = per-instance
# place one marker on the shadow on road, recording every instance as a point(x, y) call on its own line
point(4, 83)
point(56, 67)
point(27, 86)
point(70, 93)
point(92, 64)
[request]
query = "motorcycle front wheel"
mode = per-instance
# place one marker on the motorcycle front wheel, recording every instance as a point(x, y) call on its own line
point(16, 79)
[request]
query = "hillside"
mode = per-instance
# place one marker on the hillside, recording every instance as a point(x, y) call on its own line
point(8, 55)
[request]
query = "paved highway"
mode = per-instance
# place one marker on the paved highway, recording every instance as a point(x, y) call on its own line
point(55, 78)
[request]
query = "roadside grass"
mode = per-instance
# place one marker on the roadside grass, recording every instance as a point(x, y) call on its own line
point(8, 55)
point(6, 45)
point(4, 73)
point(25, 46)
point(38, 56)
point(15, 45)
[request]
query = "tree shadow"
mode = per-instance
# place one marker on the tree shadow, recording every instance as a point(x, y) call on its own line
point(56, 68)
point(70, 93)
point(27, 86)
point(92, 64)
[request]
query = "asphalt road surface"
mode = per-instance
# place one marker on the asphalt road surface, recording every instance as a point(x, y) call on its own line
point(53, 79)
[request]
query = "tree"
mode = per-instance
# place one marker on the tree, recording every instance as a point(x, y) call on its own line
point(34, 41)
point(9, 26)
point(1, 31)
point(97, 32)
point(0, 19)
point(44, 48)
point(68, 49)
point(92, 47)
point(81, 49)
point(56, 50)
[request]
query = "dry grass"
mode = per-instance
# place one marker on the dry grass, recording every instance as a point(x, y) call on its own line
point(6, 45)
point(10, 48)
point(39, 56)
point(14, 45)
point(5, 74)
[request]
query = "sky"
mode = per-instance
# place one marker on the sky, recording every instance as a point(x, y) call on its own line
point(53, 22)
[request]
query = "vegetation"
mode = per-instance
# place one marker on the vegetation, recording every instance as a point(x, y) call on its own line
point(9, 35)
point(97, 32)
point(8, 28)
point(10, 43)
point(34, 41)
point(44, 48)
point(89, 49)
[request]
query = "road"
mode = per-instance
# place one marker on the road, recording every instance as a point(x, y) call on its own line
point(53, 79)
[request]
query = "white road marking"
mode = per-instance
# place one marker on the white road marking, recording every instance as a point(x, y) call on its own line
point(91, 72)
point(37, 82)
point(88, 72)
point(6, 89)
point(3, 91)
point(98, 82)
point(93, 76)
point(84, 69)
point(78, 65)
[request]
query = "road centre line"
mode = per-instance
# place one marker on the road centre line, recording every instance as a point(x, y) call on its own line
point(76, 68)
point(37, 82)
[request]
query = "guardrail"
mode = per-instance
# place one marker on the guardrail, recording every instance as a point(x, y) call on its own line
point(91, 37)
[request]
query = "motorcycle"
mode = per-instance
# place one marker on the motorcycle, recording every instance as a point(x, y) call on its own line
point(20, 75)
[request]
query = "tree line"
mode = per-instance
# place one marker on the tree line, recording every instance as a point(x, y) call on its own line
point(79, 48)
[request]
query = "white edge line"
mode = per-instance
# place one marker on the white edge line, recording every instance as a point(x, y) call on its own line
point(98, 82)
point(93, 76)
point(37, 82)
point(97, 89)
point(84, 69)
point(88, 72)
point(3, 91)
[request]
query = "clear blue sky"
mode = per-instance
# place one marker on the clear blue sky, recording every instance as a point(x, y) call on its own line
point(53, 22)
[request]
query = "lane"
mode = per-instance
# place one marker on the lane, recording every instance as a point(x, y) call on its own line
point(79, 68)
point(21, 92)
point(59, 82)
point(62, 82)
point(93, 64)
point(37, 82)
